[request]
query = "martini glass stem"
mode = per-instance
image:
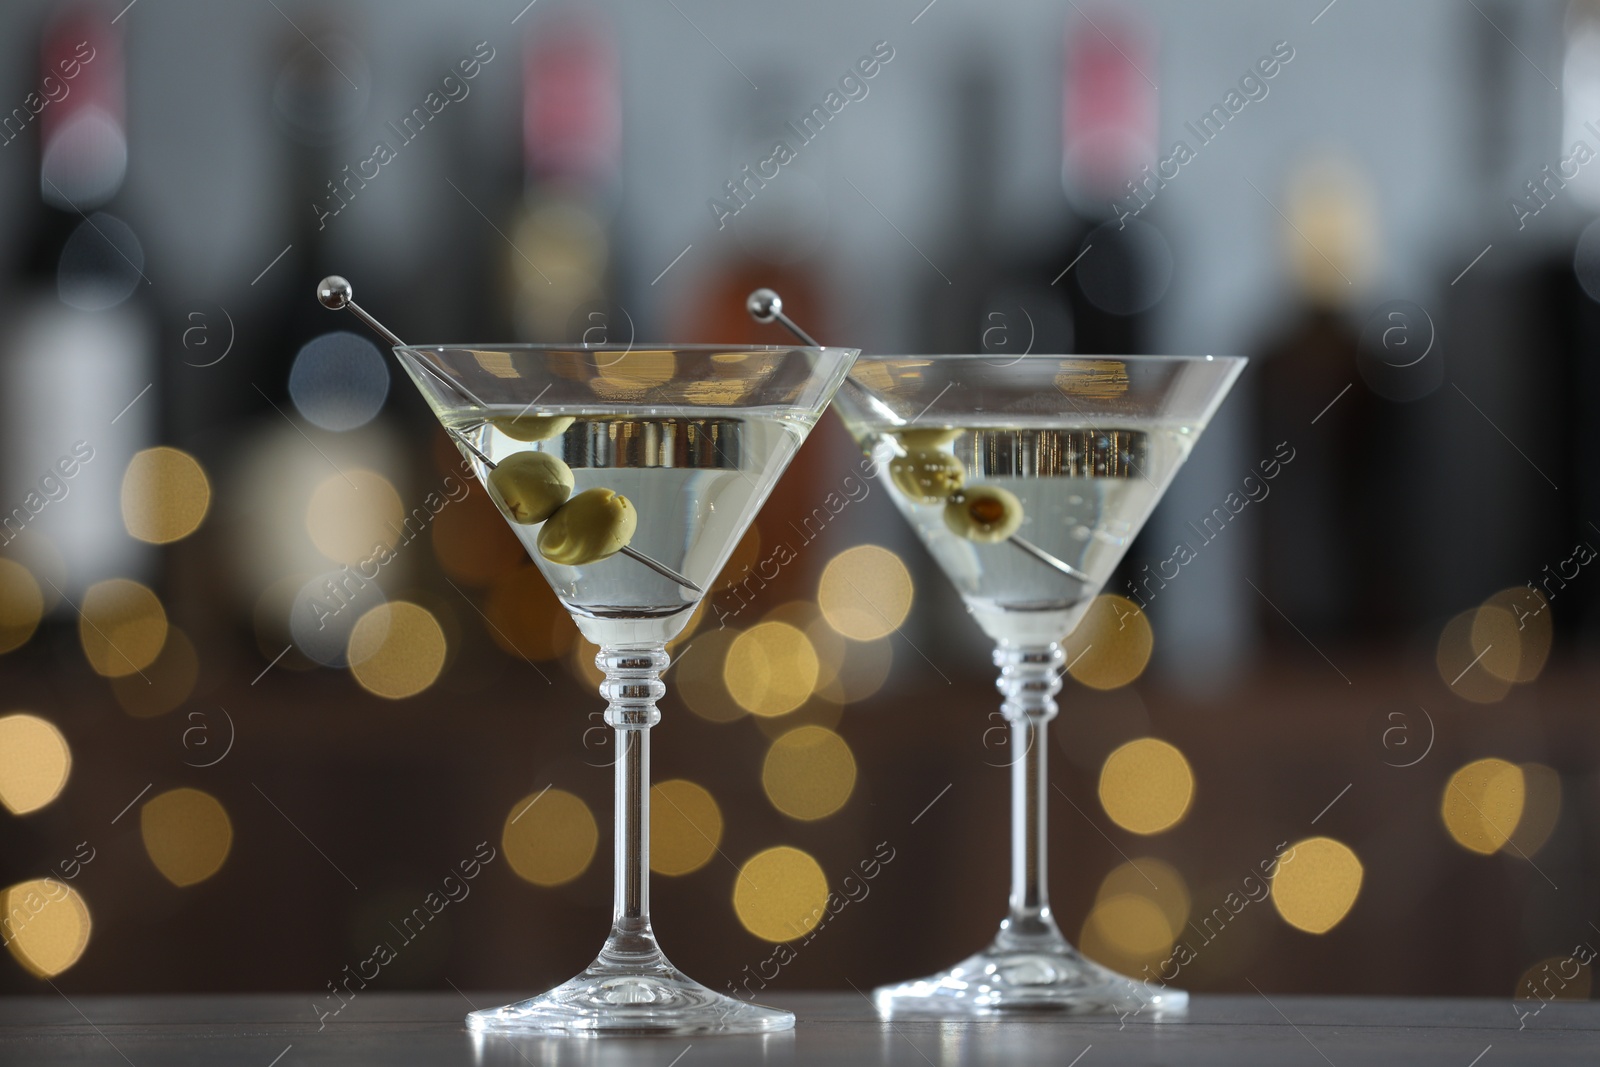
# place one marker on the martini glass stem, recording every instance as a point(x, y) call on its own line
point(1030, 677)
point(632, 686)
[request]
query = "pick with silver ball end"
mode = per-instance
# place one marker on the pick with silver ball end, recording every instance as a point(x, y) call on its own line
point(986, 514)
point(765, 305)
point(333, 292)
point(336, 294)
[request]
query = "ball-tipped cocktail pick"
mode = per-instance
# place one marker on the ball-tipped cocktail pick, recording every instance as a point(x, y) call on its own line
point(765, 305)
point(336, 294)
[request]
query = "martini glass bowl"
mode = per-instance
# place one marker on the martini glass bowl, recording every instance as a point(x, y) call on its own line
point(1027, 480)
point(649, 466)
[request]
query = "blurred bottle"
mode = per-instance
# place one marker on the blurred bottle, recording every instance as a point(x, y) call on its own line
point(312, 112)
point(561, 268)
point(1120, 264)
point(78, 377)
point(296, 410)
point(774, 239)
point(1522, 324)
point(1088, 285)
point(998, 298)
point(1328, 559)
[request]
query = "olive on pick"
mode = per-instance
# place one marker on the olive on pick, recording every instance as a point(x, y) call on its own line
point(532, 427)
point(983, 513)
point(592, 526)
point(530, 486)
point(927, 475)
point(927, 438)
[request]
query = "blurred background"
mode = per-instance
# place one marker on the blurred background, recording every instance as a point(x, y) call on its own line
point(270, 670)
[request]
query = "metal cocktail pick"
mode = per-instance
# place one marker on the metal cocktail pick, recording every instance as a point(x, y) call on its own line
point(765, 305)
point(336, 294)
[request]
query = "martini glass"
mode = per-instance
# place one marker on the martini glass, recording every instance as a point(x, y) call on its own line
point(1027, 480)
point(692, 438)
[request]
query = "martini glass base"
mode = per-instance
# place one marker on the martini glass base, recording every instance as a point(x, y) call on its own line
point(605, 999)
point(1018, 978)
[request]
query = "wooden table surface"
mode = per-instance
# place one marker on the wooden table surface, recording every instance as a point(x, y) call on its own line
point(281, 1030)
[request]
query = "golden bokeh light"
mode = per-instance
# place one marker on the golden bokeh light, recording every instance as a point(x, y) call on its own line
point(35, 761)
point(473, 544)
point(397, 650)
point(780, 894)
point(1316, 884)
point(549, 838)
point(1496, 642)
point(1111, 646)
point(865, 592)
point(21, 605)
point(685, 827)
point(1541, 809)
point(847, 671)
point(1141, 907)
point(1518, 619)
point(39, 555)
point(165, 495)
point(1156, 879)
point(1482, 804)
point(45, 924)
point(353, 515)
point(1131, 925)
point(770, 669)
point(122, 627)
point(165, 683)
point(809, 773)
point(630, 375)
point(1556, 978)
point(697, 677)
point(861, 670)
point(1146, 786)
point(525, 618)
point(1460, 667)
point(187, 834)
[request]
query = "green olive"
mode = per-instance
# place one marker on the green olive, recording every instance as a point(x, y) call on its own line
point(983, 513)
point(592, 526)
point(927, 438)
point(927, 475)
point(532, 427)
point(530, 486)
